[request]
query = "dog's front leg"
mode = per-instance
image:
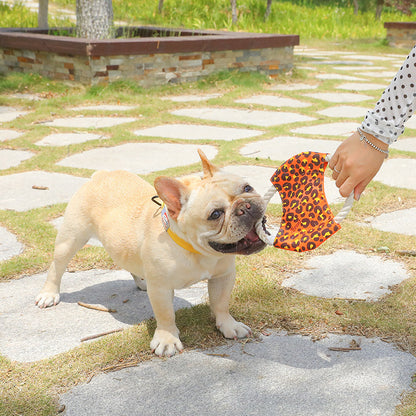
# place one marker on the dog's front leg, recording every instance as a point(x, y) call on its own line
point(166, 338)
point(219, 289)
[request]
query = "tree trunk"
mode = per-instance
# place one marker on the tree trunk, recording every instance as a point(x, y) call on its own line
point(234, 10)
point(379, 8)
point(43, 14)
point(95, 19)
point(160, 6)
point(268, 9)
point(356, 6)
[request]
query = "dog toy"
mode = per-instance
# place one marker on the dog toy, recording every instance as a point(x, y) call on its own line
point(307, 220)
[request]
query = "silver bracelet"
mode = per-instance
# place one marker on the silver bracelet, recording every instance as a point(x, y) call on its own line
point(364, 138)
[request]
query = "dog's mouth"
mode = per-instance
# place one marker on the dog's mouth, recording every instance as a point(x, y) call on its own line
point(250, 244)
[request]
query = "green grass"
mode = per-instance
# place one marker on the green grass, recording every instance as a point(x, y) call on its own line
point(19, 16)
point(309, 19)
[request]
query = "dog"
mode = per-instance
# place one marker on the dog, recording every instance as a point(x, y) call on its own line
point(204, 223)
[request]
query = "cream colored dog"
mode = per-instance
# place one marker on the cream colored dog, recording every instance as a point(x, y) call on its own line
point(205, 222)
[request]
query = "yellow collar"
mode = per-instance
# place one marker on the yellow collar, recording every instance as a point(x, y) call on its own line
point(178, 240)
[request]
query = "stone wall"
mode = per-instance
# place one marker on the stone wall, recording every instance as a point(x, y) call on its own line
point(147, 60)
point(401, 34)
point(147, 70)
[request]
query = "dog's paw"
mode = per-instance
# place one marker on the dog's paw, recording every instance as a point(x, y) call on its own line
point(165, 344)
point(230, 328)
point(46, 299)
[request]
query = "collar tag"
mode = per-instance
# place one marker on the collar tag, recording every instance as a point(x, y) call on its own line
point(165, 218)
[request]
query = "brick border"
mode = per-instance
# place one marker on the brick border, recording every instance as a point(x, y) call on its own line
point(176, 55)
point(401, 34)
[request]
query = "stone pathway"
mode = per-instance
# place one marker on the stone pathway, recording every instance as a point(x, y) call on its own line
point(282, 375)
point(289, 374)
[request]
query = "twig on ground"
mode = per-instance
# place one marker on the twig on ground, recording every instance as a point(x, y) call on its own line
point(96, 307)
point(344, 349)
point(102, 334)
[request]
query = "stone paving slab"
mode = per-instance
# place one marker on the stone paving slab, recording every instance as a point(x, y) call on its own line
point(10, 158)
point(315, 53)
point(9, 114)
point(329, 129)
point(274, 101)
point(30, 333)
point(66, 139)
point(281, 375)
point(358, 68)
point(9, 245)
point(334, 62)
point(17, 193)
point(344, 111)
point(407, 145)
point(380, 74)
point(367, 86)
point(26, 96)
point(197, 132)
point(293, 87)
point(104, 107)
point(9, 134)
point(411, 123)
point(348, 275)
point(398, 172)
point(339, 97)
point(283, 148)
point(139, 158)
point(401, 222)
point(306, 67)
point(369, 58)
point(89, 122)
point(338, 76)
point(254, 117)
point(189, 98)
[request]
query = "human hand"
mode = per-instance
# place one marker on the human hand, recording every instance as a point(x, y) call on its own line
point(355, 164)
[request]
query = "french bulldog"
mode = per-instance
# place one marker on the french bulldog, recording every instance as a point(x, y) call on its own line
point(204, 223)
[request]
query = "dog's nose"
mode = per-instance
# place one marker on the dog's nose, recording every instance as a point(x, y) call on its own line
point(241, 211)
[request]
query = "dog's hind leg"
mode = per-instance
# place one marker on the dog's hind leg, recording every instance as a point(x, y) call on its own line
point(72, 236)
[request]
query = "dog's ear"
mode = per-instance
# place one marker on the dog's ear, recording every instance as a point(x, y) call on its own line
point(173, 193)
point(208, 168)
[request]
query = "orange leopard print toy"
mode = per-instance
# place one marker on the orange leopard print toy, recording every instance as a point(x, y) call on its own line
point(307, 220)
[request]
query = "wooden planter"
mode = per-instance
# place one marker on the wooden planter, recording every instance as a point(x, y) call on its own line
point(148, 55)
point(401, 34)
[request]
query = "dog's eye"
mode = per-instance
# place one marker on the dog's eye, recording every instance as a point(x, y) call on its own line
point(216, 214)
point(247, 188)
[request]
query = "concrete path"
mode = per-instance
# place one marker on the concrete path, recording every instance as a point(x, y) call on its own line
point(279, 375)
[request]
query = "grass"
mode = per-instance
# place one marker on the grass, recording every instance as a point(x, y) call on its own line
point(309, 19)
point(17, 15)
point(259, 298)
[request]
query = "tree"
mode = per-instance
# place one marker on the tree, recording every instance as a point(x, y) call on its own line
point(379, 8)
point(234, 11)
point(43, 14)
point(94, 19)
point(268, 9)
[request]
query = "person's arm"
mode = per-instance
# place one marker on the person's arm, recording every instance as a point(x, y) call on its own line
point(355, 161)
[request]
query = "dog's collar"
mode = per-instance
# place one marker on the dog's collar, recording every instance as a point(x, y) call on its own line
point(178, 240)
